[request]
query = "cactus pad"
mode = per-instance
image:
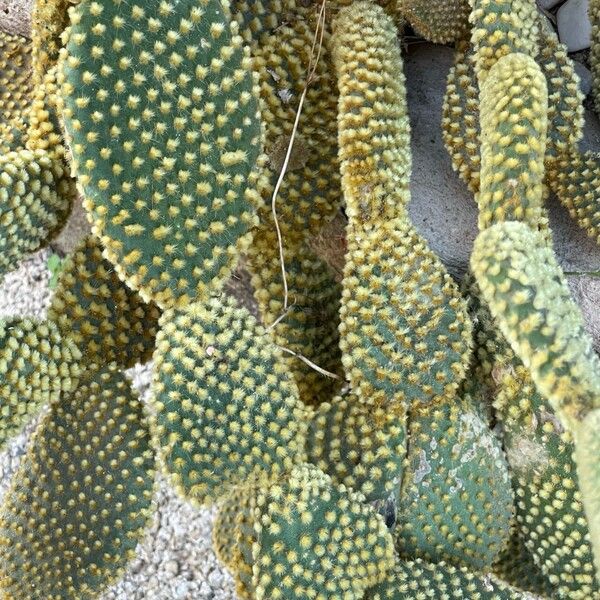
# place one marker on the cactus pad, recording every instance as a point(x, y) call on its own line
point(528, 296)
point(502, 27)
point(438, 21)
point(233, 536)
point(460, 117)
point(456, 502)
point(227, 407)
point(405, 331)
point(162, 116)
point(360, 447)
point(32, 207)
point(15, 81)
point(37, 365)
point(81, 497)
point(108, 321)
point(374, 131)
point(315, 539)
point(514, 108)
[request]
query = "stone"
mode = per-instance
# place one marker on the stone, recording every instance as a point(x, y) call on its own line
point(573, 23)
point(548, 4)
point(15, 16)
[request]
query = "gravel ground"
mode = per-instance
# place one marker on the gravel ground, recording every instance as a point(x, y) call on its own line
point(175, 561)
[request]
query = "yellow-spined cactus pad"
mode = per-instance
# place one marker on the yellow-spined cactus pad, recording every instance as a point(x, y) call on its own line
point(37, 365)
point(514, 122)
point(316, 539)
point(439, 21)
point(227, 408)
point(162, 114)
point(108, 321)
point(82, 496)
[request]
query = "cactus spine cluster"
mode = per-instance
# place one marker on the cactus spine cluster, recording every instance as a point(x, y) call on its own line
point(376, 433)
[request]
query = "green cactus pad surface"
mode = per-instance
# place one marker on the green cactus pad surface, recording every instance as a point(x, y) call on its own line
point(439, 21)
point(361, 447)
point(315, 539)
point(528, 296)
point(107, 320)
point(227, 408)
point(412, 580)
point(37, 366)
point(514, 109)
point(82, 495)
point(456, 501)
point(405, 331)
point(32, 205)
point(162, 114)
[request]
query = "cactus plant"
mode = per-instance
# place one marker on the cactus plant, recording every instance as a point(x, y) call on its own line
point(93, 307)
point(409, 340)
point(188, 140)
point(82, 496)
point(439, 21)
point(196, 131)
point(227, 409)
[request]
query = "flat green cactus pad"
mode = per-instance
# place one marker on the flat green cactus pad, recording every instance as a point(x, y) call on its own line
point(162, 114)
point(360, 446)
point(456, 503)
point(528, 296)
point(81, 497)
point(227, 408)
point(315, 539)
point(107, 320)
point(405, 332)
point(37, 365)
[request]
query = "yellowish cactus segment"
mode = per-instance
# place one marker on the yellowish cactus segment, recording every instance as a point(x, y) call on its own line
point(514, 108)
point(227, 409)
point(315, 539)
point(439, 21)
point(81, 498)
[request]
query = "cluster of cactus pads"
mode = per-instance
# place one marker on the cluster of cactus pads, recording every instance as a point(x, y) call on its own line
point(384, 432)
